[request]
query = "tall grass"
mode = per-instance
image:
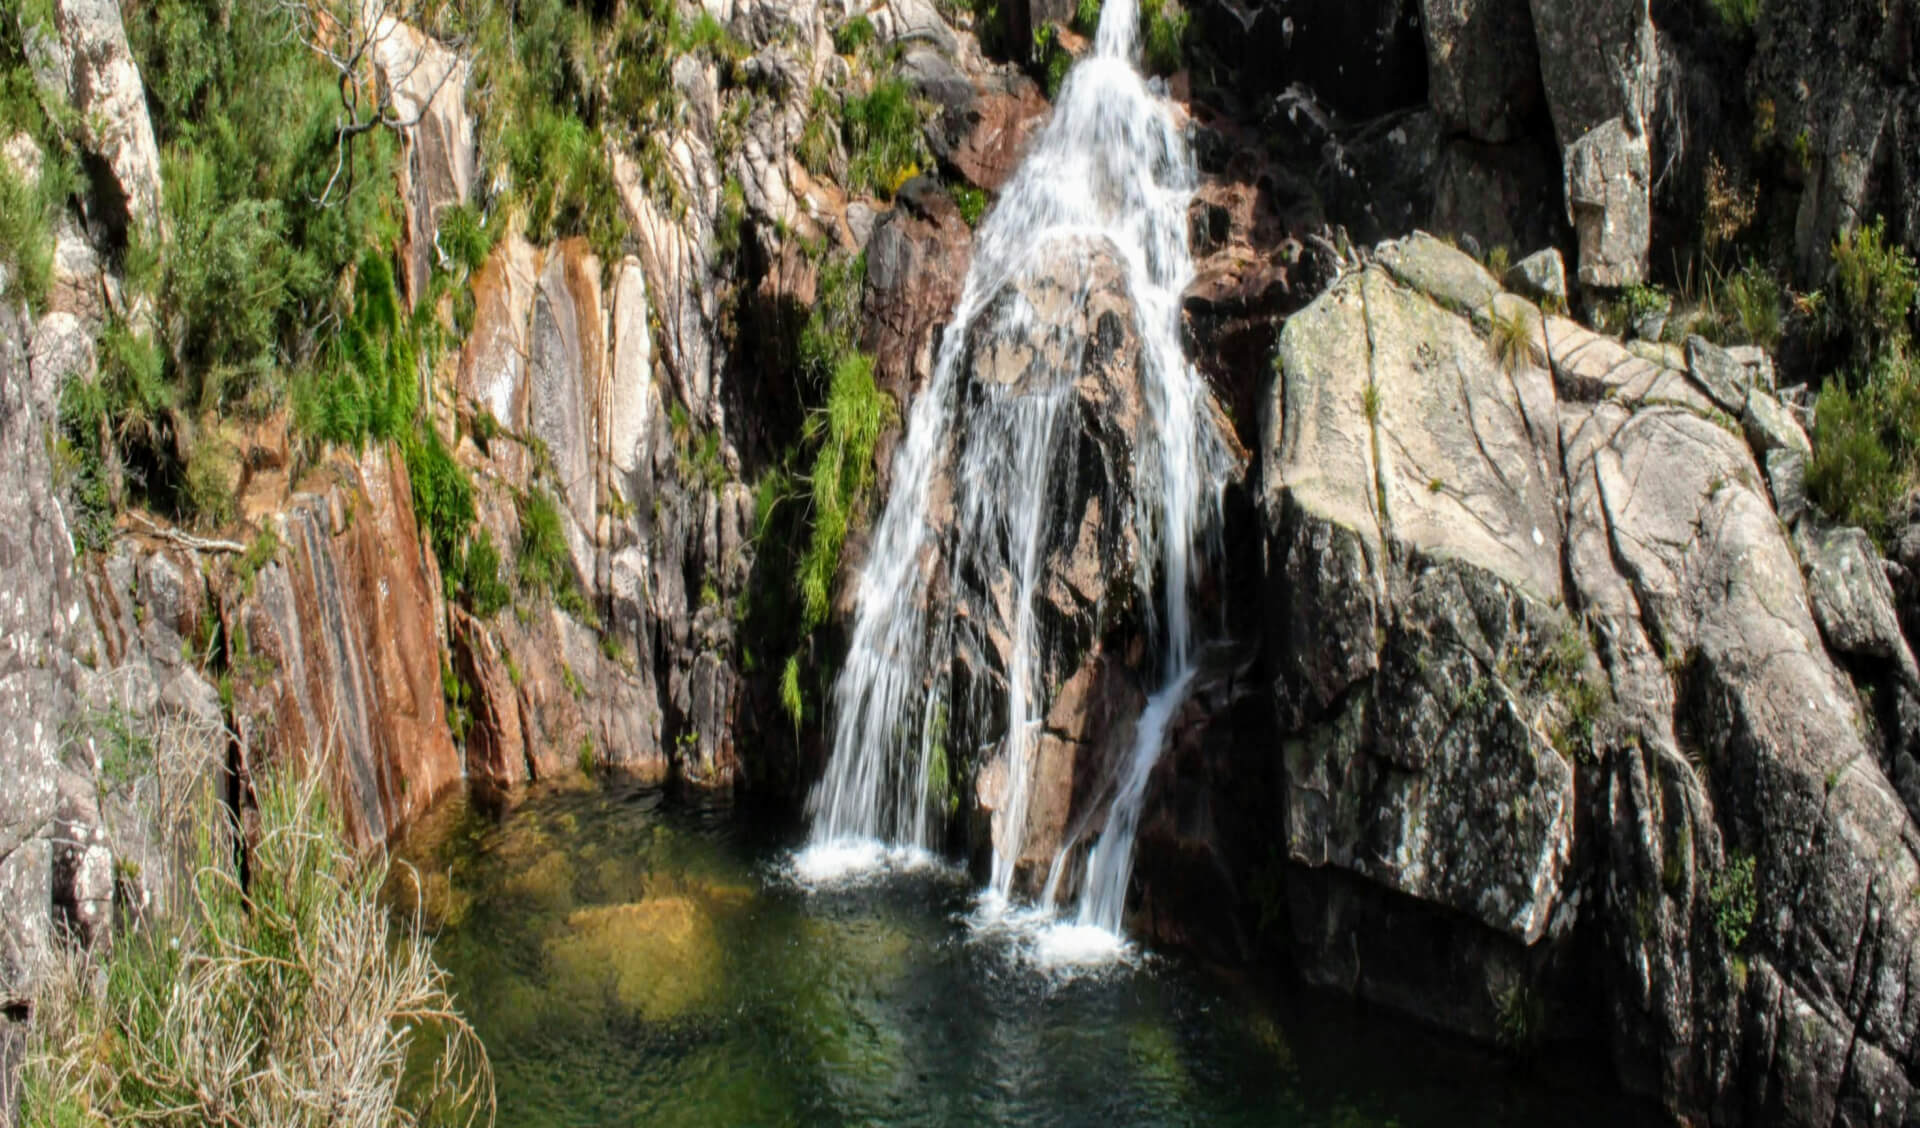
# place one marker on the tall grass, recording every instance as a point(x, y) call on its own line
point(287, 998)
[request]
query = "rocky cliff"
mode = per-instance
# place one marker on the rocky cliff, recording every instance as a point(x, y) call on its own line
point(1540, 703)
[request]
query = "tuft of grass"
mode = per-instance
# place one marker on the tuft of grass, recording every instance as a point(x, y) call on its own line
point(791, 700)
point(282, 993)
point(1163, 35)
point(882, 131)
point(1499, 261)
point(1737, 15)
point(1370, 403)
point(1876, 282)
point(545, 563)
point(852, 37)
point(1512, 339)
point(847, 429)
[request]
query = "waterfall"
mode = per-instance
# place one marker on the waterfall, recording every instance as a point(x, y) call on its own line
point(1110, 172)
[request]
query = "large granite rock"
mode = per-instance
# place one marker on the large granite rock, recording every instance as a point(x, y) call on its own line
point(1561, 743)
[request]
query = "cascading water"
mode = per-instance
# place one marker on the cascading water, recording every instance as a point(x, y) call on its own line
point(1110, 174)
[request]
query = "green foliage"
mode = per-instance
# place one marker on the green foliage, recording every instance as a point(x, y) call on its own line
point(1519, 1016)
point(791, 700)
point(479, 583)
point(971, 201)
point(442, 495)
point(1086, 16)
point(732, 219)
point(266, 207)
point(1736, 15)
point(853, 36)
point(1876, 282)
point(260, 553)
point(1053, 57)
point(1866, 448)
point(1163, 35)
point(1750, 301)
point(545, 563)
point(882, 131)
point(466, 238)
point(1370, 403)
point(1866, 440)
point(818, 144)
point(847, 430)
point(1734, 900)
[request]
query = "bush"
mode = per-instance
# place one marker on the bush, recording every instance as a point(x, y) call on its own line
point(480, 585)
point(1876, 282)
point(972, 203)
point(283, 994)
point(1865, 441)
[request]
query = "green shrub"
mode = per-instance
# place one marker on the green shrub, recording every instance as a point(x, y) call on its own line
point(732, 219)
point(882, 131)
point(854, 35)
point(1734, 900)
point(971, 201)
point(1737, 15)
point(481, 586)
point(818, 146)
point(1865, 444)
point(791, 700)
point(1876, 282)
point(1086, 16)
point(545, 563)
point(1750, 301)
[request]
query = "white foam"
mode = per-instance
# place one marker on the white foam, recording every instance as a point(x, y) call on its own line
point(1039, 939)
point(854, 861)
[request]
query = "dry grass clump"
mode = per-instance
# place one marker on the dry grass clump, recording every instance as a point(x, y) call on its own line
point(289, 998)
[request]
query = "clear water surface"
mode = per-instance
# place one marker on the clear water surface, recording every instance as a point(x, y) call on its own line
point(631, 959)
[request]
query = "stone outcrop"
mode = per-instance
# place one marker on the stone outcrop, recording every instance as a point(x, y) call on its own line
point(102, 85)
point(1548, 677)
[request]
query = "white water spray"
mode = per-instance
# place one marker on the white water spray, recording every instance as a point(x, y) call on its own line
point(1110, 173)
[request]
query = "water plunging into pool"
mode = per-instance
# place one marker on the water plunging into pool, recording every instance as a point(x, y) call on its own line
point(1110, 173)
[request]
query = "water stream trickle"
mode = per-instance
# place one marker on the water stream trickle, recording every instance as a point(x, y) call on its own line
point(1110, 174)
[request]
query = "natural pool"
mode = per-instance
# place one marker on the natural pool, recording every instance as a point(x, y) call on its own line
point(632, 959)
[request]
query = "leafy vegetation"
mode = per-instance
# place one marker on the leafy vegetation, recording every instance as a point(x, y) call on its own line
point(545, 563)
point(1734, 901)
point(882, 131)
point(1163, 35)
point(971, 201)
point(1866, 440)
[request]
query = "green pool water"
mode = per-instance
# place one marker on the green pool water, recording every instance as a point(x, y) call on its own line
point(633, 960)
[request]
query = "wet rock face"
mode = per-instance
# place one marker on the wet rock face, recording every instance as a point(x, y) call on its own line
point(1055, 359)
point(1552, 690)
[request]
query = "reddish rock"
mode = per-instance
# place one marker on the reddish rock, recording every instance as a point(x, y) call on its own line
point(332, 649)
